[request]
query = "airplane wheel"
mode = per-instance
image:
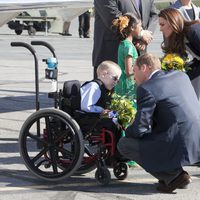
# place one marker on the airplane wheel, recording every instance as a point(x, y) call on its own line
point(120, 170)
point(18, 31)
point(31, 30)
point(51, 144)
point(102, 175)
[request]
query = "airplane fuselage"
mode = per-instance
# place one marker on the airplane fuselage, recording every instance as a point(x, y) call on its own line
point(10, 9)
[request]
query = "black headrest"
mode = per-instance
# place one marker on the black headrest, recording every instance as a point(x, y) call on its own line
point(71, 88)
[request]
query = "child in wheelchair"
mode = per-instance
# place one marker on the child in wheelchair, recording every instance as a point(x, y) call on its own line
point(88, 105)
point(95, 98)
point(90, 101)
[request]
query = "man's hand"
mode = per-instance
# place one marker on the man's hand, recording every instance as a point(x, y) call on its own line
point(146, 36)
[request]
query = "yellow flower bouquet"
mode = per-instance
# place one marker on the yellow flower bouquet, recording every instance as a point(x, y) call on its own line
point(124, 108)
point(173, 62)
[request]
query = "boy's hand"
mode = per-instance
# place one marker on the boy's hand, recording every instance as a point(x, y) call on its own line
point(105, 112)
point(113, 114)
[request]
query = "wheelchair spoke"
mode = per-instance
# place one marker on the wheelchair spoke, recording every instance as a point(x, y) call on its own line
point(38, 139)
point(39, 155)
point(65, 152)
point(54, 160)
point(62, 135)
point(49, 131)
point(47, 124)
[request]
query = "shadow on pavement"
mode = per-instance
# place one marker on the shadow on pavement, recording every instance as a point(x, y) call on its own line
point(81, 183)
point(20, 103)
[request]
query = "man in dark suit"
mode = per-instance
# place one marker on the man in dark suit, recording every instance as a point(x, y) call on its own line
point(105, 40)
point(165, 135)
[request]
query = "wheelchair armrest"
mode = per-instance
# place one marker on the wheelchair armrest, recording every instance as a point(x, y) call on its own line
point(82, 113)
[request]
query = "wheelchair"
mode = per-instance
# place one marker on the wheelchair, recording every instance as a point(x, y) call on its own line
point(53, 146)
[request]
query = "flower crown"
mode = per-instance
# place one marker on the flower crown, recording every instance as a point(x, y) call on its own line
point(121, 22)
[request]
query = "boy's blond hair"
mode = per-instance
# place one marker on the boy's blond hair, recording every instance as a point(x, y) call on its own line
point(107, 66)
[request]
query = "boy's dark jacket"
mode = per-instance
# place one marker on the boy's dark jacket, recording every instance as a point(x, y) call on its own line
point(104, 99)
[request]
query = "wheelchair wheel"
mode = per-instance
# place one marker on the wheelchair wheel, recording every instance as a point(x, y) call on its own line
point(51, 144)
point(120, 171)
point(102, 175)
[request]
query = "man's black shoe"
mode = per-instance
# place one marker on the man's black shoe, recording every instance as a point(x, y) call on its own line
point(197, 164)
point(86, 36)
point(182, 180)
point(65, 34)
point(183, 186)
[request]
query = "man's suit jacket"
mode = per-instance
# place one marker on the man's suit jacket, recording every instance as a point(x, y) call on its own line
point(105, 40)
point(167, 122)
point(178, 5)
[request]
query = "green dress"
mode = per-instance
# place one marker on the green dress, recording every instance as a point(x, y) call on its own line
point(126, 86)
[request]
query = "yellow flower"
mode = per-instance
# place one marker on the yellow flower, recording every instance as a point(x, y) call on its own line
point(173, 62)
point(168, 57)
point(124, 20)
point(179, 60)
point(121, 22)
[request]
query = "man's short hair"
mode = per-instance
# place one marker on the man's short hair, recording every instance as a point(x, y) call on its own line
point(152, 61)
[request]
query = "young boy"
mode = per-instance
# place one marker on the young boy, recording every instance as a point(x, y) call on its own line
point(95, 97)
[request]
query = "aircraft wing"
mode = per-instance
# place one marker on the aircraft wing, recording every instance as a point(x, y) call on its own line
point(11, 8)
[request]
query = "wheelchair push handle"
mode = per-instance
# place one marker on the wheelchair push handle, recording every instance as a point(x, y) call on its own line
point(51, 72)
point(23, 44)
point(32, 50)
point(46, 44)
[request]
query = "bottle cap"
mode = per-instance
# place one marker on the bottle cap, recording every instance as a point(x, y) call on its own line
point(52, 62)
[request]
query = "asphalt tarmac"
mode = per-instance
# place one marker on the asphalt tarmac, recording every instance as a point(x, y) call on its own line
point(17, 102)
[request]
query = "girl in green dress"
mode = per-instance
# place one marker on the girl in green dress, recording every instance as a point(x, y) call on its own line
point(128, 28)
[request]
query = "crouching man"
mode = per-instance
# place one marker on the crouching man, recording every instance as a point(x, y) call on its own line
point(165, 135)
